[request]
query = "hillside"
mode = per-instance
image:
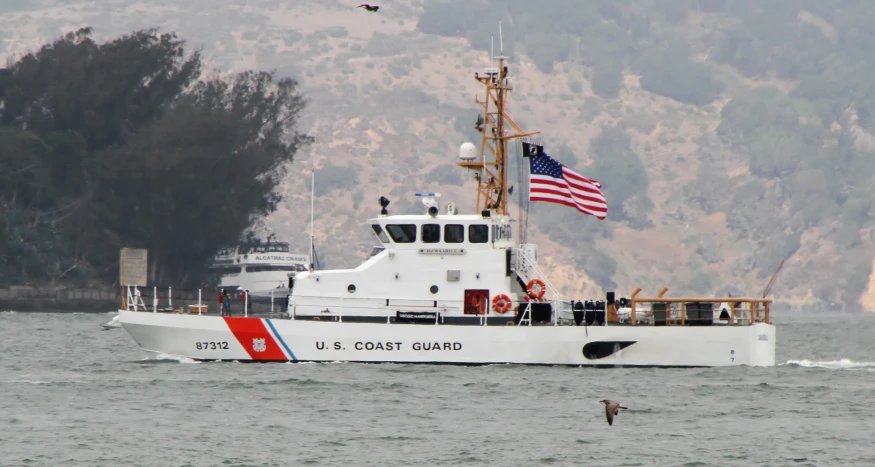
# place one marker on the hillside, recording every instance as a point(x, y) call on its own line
point(727, 136)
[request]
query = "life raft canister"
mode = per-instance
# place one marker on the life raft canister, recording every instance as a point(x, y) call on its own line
point(536, 292)
point(501, 303)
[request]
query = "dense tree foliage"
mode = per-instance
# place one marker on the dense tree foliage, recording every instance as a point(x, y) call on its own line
point(122, 144)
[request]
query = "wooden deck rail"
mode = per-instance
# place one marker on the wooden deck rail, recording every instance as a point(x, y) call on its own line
point(754, 305)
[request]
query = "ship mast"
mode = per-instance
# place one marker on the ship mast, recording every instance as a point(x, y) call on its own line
point(497, 129)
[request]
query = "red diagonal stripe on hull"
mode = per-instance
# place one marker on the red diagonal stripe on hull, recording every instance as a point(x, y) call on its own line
point(246, 330)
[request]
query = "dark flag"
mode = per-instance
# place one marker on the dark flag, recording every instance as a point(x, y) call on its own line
point(532, 150)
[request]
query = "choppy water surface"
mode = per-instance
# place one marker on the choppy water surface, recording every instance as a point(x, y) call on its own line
point(73, 395)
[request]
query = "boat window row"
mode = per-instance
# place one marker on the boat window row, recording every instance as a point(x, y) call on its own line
point(272, 267)
point(272, 248)
point(228, 270)
point(227, 252)
point(432, 233)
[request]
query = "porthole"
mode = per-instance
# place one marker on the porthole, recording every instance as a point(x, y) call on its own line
point(434, 289)
point(351, 288)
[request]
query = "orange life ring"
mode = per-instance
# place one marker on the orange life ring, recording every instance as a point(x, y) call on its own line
point(501, 303)
point(530, 288)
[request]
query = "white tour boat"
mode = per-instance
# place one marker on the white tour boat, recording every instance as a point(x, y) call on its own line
point(263, 269)
point(456, 288)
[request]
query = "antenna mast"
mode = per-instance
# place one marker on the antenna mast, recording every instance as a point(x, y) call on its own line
point(498, 128)
point(312, 206)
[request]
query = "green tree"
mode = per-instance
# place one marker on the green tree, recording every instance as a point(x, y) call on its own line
point(120, 144)
point(99, 91)
point(220, 151)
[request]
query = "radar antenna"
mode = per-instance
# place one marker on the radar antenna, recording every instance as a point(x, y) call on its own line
point(498, 129)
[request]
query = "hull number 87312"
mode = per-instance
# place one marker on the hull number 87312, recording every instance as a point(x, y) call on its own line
point(211, 345)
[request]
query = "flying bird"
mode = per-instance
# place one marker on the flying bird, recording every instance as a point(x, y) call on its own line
point(612, 408)
point(369, 7)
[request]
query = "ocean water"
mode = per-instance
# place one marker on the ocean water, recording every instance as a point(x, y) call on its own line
point(74, 395)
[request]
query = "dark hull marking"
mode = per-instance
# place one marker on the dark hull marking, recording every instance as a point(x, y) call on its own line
point(601, 349)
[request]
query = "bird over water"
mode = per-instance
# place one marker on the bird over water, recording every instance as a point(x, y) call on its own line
point(612, 408)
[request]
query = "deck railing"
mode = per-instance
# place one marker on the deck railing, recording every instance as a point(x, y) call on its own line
point(662, 311)
point(741, 310)
point(193, 301)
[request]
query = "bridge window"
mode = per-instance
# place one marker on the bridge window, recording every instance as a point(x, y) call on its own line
point(229, 270)
point(431, 233)
point(478, 233)
point(502, 232)
point(271, 267)
point(454, 233)
point(380, 234)
point(402, 233)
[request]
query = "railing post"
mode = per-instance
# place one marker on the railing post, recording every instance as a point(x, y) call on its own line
point(668, 307)
point(155, 299)
point(170, 297)
point(271, 302)
point(245, 305)
point(684, 314)
point(199, 301)
point(632, 313)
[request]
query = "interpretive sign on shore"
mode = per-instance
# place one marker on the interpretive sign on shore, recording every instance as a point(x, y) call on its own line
point(134, 267)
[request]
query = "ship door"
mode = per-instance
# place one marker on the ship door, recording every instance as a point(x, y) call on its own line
point(476, 302)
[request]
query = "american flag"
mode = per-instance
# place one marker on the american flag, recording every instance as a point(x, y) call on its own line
point(553, 182)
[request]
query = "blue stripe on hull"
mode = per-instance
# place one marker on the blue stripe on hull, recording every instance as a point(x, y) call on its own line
point(278, 336)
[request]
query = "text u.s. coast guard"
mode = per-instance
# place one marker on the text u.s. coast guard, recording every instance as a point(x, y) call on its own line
point(392, 346)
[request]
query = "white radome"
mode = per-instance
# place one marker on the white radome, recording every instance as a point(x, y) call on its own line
point(468, 152)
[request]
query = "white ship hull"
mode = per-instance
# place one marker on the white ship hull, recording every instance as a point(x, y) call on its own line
point(255, 339)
